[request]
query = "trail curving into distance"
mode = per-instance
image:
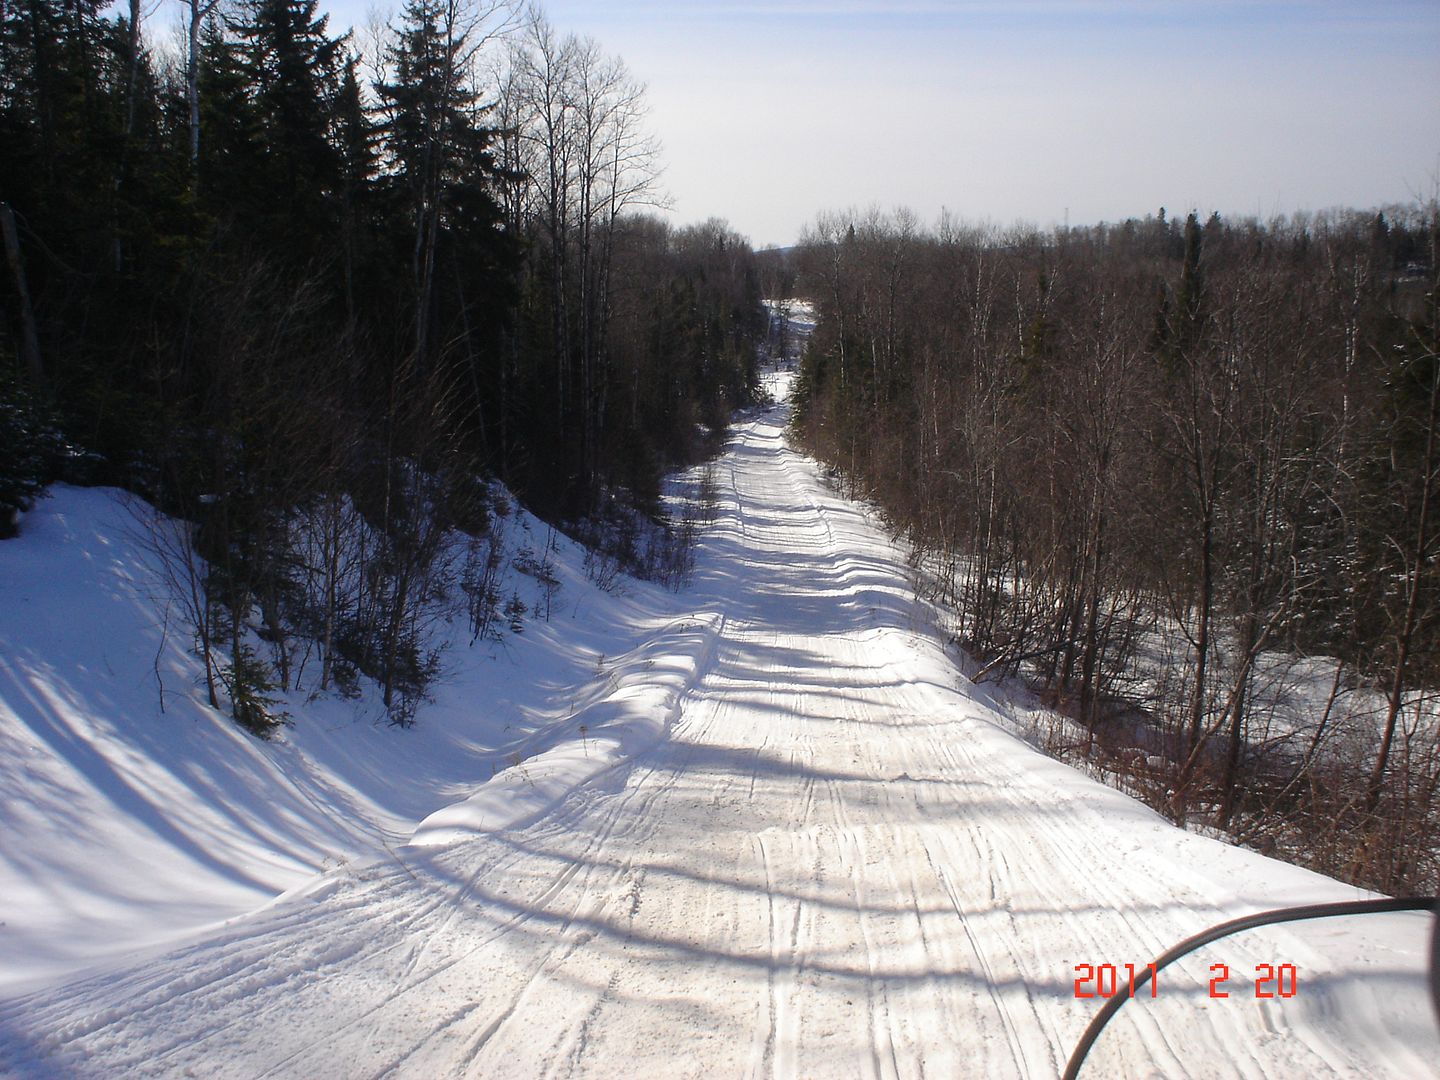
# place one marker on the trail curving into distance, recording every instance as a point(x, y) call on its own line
point(833, 863)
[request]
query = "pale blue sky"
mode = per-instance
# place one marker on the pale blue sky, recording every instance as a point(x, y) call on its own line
point(1001, 111)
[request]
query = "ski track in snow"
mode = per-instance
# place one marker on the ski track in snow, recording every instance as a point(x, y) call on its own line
point(832, 863)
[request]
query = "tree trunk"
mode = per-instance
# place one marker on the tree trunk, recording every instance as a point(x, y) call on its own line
point(29, 339)
point(198, 11)
point(1414, 584)
point(1239, 702)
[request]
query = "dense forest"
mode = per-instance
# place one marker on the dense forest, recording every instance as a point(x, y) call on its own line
point(1181, 478)
point(312, 292)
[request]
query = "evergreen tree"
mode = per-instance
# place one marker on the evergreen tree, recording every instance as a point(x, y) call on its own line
point(356, 140)
point(442, 178)
point(292, 67)
point(231, 147)
point(1191, 301)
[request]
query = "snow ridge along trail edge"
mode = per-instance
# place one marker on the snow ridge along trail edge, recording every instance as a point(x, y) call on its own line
point(643, 696)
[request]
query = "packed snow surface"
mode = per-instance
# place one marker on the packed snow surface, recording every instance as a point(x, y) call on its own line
point(765, 828)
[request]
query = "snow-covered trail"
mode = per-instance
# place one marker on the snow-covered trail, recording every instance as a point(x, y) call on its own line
point(834, 864)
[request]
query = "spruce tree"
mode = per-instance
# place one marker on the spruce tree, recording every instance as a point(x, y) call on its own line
point(231, 145)
point(443, 172)
point(356, 141)
point(1191, 301)
point(292, 66)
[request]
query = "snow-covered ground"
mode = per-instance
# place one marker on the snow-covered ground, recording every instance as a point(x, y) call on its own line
point(131, 814)
point(761, 827)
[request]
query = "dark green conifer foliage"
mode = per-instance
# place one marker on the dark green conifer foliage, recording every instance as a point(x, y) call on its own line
point(292, 67)
point(356, 140)
point(231, 149)
point(442, 169)
point(1191, 300)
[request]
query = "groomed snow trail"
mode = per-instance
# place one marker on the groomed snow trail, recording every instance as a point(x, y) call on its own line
point(833, 864)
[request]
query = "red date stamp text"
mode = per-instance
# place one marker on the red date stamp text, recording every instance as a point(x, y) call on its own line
point(1107, 980)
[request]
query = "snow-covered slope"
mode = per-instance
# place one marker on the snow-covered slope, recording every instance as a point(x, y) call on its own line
point(131, 814)
point(790, 840)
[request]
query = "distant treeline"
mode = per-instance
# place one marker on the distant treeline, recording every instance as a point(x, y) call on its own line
point(275, 275)
point(1142, 458)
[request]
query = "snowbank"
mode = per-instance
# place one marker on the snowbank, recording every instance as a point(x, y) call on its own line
point(133, 814)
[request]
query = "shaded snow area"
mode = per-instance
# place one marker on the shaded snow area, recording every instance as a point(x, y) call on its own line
point(759, 827)
point(130, 813)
